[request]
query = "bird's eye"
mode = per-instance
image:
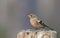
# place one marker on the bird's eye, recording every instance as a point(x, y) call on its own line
point(28, 33)
point(31, 15)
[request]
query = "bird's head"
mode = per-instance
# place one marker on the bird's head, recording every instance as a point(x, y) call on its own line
point(31, 16)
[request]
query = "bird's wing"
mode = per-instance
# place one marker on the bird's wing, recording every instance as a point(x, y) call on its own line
point(37, 20)
point(40, 22)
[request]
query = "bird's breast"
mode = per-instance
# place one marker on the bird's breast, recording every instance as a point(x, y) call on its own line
point(35, 24)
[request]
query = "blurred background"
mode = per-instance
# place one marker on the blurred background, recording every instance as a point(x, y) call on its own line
point(13, 15)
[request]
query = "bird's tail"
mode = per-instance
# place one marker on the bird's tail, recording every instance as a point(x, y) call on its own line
point(47, 26)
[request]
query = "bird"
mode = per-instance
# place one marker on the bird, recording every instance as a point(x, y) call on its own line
point(36, 23)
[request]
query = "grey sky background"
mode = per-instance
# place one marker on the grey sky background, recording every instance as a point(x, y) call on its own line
point(13, 14)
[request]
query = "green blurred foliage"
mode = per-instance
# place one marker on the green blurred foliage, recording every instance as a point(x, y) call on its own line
point(2, 32)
